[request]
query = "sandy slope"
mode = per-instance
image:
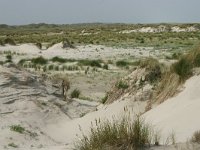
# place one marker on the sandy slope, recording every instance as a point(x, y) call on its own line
point(180, 113)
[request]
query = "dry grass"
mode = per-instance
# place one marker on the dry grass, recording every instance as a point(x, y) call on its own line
point(196, 137)
point(167, 87)
point(119, 135)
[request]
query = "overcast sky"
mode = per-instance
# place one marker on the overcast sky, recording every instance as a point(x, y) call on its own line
point(15, 12)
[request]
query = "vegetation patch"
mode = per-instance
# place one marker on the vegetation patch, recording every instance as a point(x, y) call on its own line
point(58, 59)
point(119, 135)
point(196, 137)
point(17, 128)
point(92, 63)
point(122, 85)
point(122, 63)
point(39, 60)
point(183, 68)
point(9, 41)
point(13, 145)
point(75, 93)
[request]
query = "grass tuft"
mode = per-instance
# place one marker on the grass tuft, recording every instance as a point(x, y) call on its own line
point(119, 135)
point(17, 128)
point(75, 93)
point(196, 137)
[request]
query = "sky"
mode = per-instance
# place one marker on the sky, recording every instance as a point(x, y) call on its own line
point(18, 12)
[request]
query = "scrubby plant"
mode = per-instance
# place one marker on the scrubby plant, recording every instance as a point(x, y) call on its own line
point(197, 60)
point(1, 43)
point(196, 137)
point(154, 74)
point(57, 68)
point(9, 41)
point(122, 85)
point(50, 67)
point(39, 45)
point(105, 66)
point(17, 128)
point(75, 93)
point(119, 135)
point(58, 59)
point(122, 63)
point(92, 63)
point(13, 145)
point(183, 68)
point(39, 60)
point(9, 58)
point(104, 99)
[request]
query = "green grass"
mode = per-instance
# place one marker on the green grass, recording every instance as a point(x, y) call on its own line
point(117, 135)
point(183, 68)
point(17, 128)
point(122, 63)
point(13, 145)
point(39, 60)
point(122, 85)
point(92, 63)
point(75, 93)
point(58, 59)
point(104, 99)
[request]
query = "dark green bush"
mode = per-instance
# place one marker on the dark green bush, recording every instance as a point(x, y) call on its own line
point(183, 68)
point(122, 85)
point(17, 128)
point(122, 63)
point(197, 60)
point(104, 99)
point(39, 60)
point(22, 61)
point(92, 63)
point(196, 137)
point(9, 58)
point(50, 67)
point(105, 66)
point(9, 41)
point(75, 93)
point(58, 59)
point(39, 45)
point(154, 74)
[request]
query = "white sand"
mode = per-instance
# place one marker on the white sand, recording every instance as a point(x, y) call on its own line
point(80, 52)
point(179, 114)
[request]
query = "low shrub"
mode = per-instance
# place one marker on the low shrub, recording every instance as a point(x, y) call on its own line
point(9, 58)
point(122, 85)
point(196, 137)
point(58, 59)
point(39, 45)
point(17, 128)
point(92, 63)
point(154, 74)
point(122, 63)
point(39, 60)
point(105, 67)
point(104, 99)
point(9, 41)
point(197, 60)
point(183, 68)
point(75, 93)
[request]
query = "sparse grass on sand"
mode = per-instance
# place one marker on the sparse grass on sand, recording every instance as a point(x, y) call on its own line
point(118, 135)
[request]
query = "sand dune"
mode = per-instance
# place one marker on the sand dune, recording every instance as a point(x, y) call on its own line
point(179, 114)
